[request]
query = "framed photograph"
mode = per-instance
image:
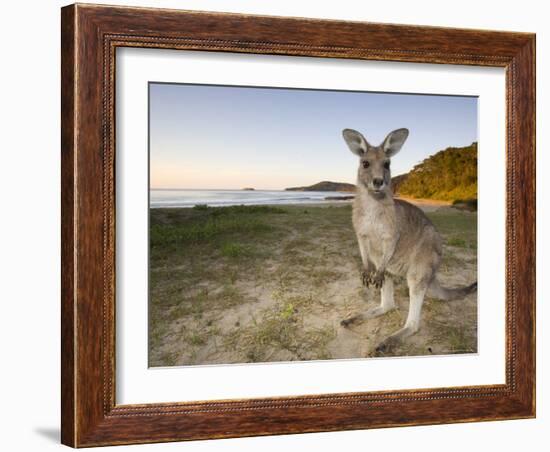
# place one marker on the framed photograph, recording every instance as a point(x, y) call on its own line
point(282, 225)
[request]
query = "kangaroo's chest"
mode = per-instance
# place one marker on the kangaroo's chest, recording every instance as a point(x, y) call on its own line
point(374, 226)
point(375, 221)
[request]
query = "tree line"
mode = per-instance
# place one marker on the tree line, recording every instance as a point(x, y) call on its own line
point(448, 175)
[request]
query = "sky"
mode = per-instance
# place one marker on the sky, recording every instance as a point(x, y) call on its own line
point(222, 137)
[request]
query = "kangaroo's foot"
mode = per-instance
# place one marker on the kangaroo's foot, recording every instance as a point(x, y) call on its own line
point(387, 345)
point(377, 312)
point(369, 314)
point(352, 320)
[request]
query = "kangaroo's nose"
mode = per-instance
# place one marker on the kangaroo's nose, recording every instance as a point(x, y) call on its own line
point(377, 182)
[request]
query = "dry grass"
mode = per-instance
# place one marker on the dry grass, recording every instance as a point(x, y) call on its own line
point(260, 284)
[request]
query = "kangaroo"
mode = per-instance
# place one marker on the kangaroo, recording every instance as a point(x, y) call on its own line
point(395, 238)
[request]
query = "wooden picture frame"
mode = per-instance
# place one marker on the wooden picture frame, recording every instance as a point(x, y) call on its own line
point(90, 36)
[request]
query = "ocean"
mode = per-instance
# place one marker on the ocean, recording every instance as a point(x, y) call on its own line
point(218, 198)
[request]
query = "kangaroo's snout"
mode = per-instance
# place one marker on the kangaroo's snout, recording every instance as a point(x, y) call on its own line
point(377, 182)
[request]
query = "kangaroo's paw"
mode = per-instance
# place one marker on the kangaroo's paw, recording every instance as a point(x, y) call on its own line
point(367, 277)
point(377, 280)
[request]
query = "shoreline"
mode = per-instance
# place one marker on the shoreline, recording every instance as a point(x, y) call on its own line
point(428, 204)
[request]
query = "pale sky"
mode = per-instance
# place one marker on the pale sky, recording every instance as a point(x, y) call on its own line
point(222, 137)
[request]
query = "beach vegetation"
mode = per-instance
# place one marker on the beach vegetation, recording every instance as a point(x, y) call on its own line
point(271, 283)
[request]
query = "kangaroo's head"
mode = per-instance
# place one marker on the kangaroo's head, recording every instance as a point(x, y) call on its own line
point(374, 161)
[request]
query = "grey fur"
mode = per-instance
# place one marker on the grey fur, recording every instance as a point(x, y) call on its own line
point(395, 238)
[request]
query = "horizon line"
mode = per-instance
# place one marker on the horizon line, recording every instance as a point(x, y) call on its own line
point(293, 186)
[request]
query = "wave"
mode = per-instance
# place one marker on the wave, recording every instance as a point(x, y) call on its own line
point(220, 198)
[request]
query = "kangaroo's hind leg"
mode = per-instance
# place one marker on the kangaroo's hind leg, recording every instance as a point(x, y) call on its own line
point(387, 303)
point(418, 282)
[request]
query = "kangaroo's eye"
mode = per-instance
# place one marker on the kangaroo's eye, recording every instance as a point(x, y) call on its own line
point(365, 164)
point(387, 164)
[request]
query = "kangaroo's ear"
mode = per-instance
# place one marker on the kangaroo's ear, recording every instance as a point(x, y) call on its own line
point(393, 142)
point(356, 142)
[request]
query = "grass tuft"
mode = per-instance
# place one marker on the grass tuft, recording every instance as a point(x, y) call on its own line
point(235, 250)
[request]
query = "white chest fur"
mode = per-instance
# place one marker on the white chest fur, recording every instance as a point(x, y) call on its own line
point(374, 222)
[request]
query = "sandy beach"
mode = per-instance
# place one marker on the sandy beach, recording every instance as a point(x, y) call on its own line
point(248, 284)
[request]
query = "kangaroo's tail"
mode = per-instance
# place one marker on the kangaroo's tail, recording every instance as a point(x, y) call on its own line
point(443, 293)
